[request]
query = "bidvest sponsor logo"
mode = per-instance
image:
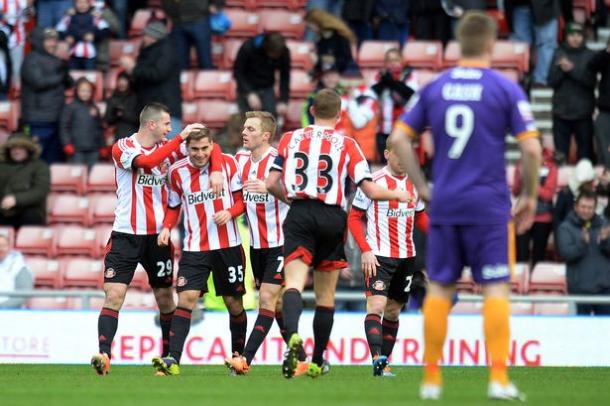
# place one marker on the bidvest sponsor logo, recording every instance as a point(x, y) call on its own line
point(256, 197)
point(399, 213)
point(202, 197)
point(146, 179)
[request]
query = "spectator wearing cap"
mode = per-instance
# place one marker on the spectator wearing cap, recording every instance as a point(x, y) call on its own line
point(24, 182)
point(121, 108)
point(155, 76)
point(191, 27)
point(258, 59)
point(600, 63)
point(573, 86)
point(44, 80)
point(14, 275)
point(327, 76)
point(581, 178)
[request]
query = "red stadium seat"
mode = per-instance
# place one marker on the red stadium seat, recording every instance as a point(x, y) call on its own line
point(9, 114)
point(102, 238)
point(510, 74)
point(190, 112)
point(216, 113)
point(552, 309)
point(548, 277)
point(372, 53)
point(9, 232)
point(69, 178)
point(101, 178)
point(511, 54)
point(141, 19)
point(76, 240)
point(69, 208)
point(82, 272)
point(424, 76)
point(47, 303)
point(214, 84)
point(187, 83)
point(293, 116)
point(101, 208)
point(519, 280)
point(37, 240)
point(244, 24)
point(95, 77)
point(119, 48)
point(423, 54)
point(452, 54)
point(47, 272)
point(231, 48)
point(300, 84)
point(301, 54)
point(290, 4)
point(248, 4)
point(289, 23)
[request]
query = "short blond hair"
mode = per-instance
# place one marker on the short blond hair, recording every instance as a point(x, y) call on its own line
point(267, 120)
point(474, 32)
point(326, 104)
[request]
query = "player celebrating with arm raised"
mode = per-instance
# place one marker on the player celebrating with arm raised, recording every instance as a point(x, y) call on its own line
point(141, 163)
point(315, 162)
point(383, 231)
point(469, 108)
point(211, 243)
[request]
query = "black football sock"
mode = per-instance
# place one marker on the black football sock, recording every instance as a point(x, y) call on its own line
point(107, 324)
point(279, 318)
point(165, 319)
point(322, 326)
point(181, 324)
point(263, 323)
point(292, 308)
point(238, 325)
point(389, 331)
point(372, 328)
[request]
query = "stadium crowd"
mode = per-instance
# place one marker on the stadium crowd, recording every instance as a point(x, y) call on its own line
point(75, 74)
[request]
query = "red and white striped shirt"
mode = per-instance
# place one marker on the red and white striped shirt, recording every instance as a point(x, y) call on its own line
point(265, 213)
point(316, 161)
point(189, 187)
point(141, 194)
point(13, 19)
point(389, 223)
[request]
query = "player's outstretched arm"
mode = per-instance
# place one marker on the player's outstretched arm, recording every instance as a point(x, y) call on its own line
point(524, 210)
point(375, 192)
point(406, 155)
point(273, 184)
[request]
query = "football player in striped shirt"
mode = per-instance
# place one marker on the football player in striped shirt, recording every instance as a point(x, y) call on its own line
point(383, 231)
point(265, 215)
point(314, 163)
point(141, 163)
point(212, 244)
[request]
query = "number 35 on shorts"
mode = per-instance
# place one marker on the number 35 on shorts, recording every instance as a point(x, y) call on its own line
point(236, 274)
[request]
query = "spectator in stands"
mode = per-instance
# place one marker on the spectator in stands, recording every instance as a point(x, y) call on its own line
point(600, 63)
point(431, 21)
point(14, 275)
point(119, 7)
point(328, 77)
point(15, 13)
point(45, 79)
point(82, 29)
point(536, 22)
point(391, 20)
point(191, 26)
point(102, 60)
point(360, 119)
point(583, 242)
point(6, 67)
point(538, 234)
point(603, 189)
point(394, 87)
point(24, 182)
point(121, 108)
point(334, 40)
point(573, 86)
point(155, 77)
point(50, 12)
point(81, 130)
point(254, 70)
point(358, 15)
point(582, 178)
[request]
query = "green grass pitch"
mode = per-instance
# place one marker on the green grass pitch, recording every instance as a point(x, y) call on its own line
point(68, 385)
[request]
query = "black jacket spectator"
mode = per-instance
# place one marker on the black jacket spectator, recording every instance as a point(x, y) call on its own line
point(600, 63)
point(44, 79)
point(5, 82)
point(156, 76)
point(81, 126)
point(122, 111)
point(27, 179)
point(254, 70)
point(186, 11)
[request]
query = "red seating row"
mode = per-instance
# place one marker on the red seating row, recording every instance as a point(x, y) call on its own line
point(74, 178)
point(87, 210)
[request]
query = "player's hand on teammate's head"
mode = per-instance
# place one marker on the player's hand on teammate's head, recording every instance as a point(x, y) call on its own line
point(216, 181)
point(369, 264)
point(191, 127)
point(523, 213)
point(163, 237)
point(222, 217)
point(256, 186)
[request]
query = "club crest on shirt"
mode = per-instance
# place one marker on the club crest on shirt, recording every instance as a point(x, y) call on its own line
point(379, 285)
point(181, 281)
point(109, 273)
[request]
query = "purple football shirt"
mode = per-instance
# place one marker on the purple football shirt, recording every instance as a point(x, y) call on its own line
point(469, 112)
